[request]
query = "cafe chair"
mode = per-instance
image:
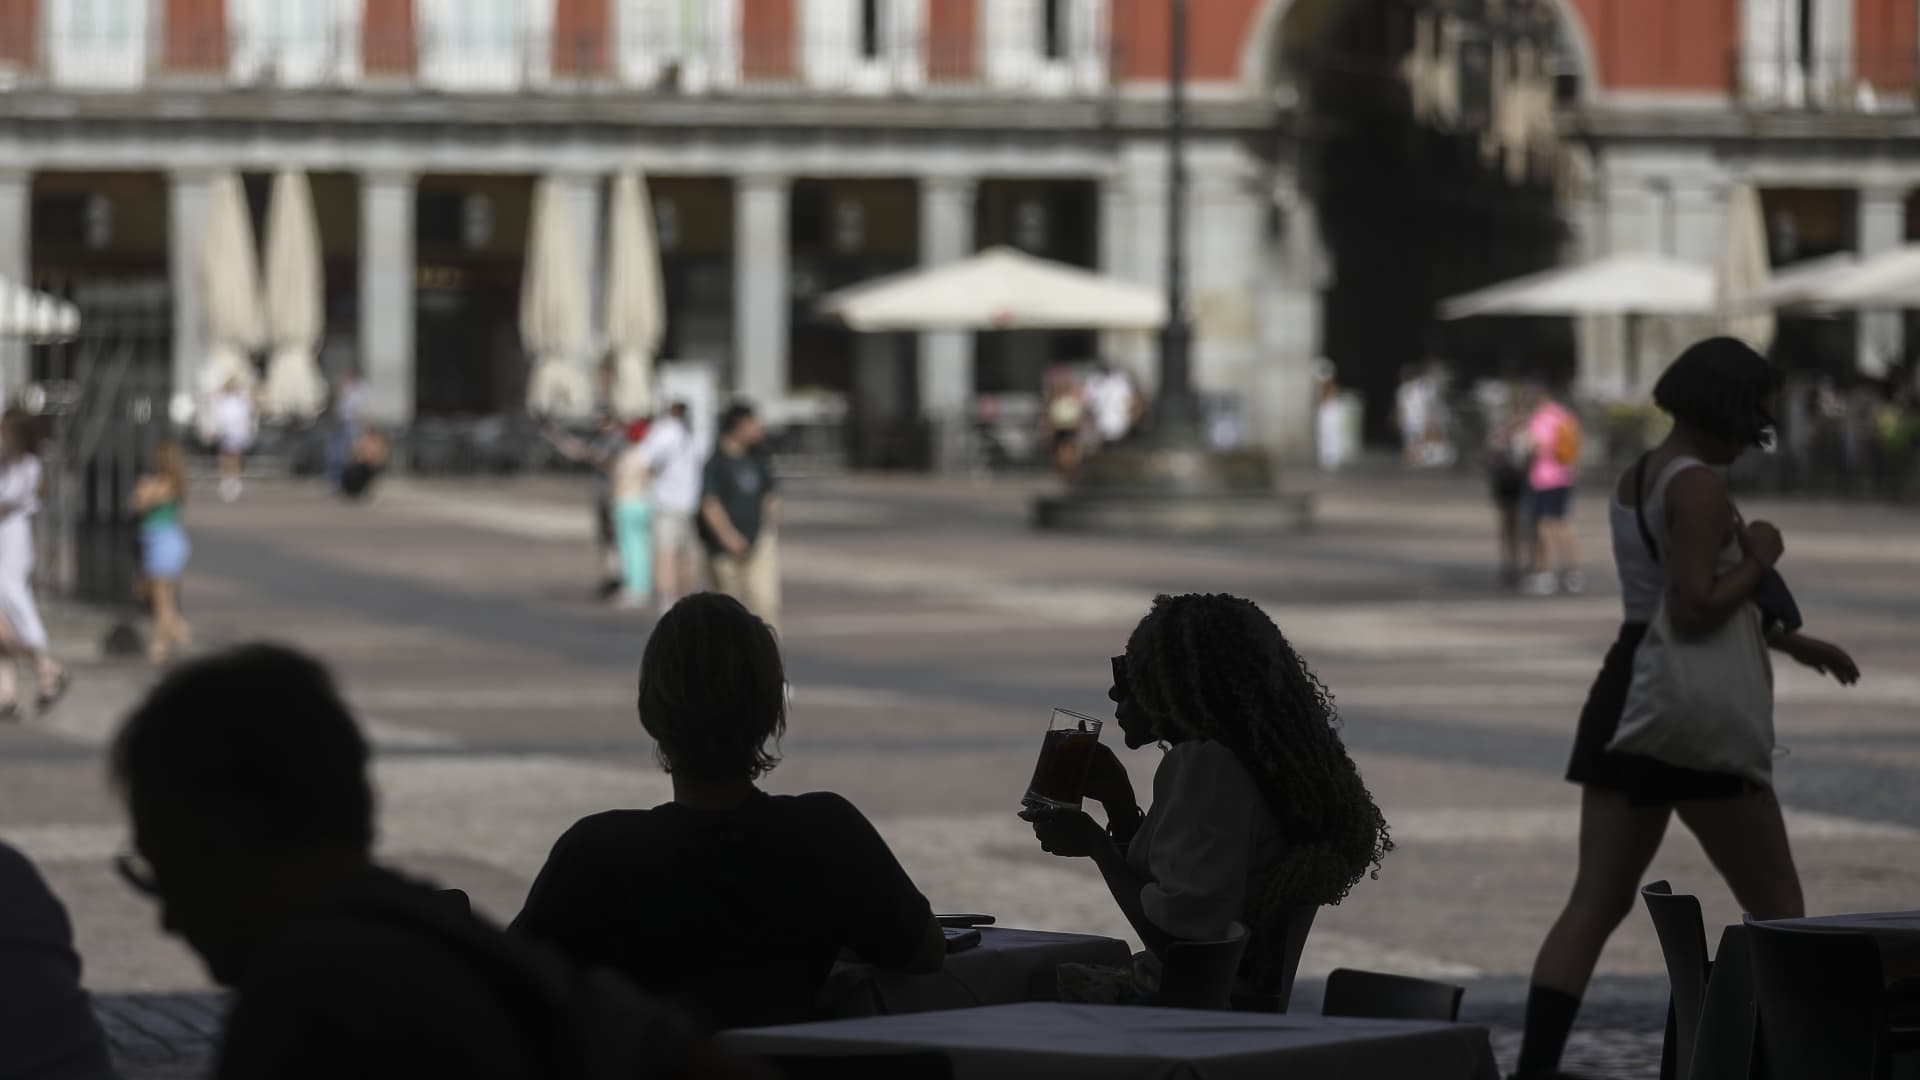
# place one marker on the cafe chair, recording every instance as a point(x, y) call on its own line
point(1201, 974)
point(1823, 1007)
point(916, 1065)
point(1370, 995)
point(1683, 941)
point(1299, 924)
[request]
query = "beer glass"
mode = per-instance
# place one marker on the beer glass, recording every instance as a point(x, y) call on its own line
point(1066, 752)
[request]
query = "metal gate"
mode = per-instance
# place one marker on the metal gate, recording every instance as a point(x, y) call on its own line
point(105, 400)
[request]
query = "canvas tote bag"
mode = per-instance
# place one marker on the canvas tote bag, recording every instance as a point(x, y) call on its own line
point(1706, 702)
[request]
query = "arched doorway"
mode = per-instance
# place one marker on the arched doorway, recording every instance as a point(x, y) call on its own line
point(1430, 154)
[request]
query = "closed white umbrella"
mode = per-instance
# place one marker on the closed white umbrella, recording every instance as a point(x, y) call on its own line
point(229, 286)
point(636, 305)
point(35, 316)
point(1745, 270)
point(998, 289)
point(295, 300)
point(1613, 285)
point(553, 308)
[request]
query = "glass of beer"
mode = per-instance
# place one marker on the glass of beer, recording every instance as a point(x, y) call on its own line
point(1066, 752)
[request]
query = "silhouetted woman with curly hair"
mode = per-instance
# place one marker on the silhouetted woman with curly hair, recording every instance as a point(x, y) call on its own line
point(1259, 816)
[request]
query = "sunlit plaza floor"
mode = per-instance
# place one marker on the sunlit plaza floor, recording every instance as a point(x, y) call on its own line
point(928, 631)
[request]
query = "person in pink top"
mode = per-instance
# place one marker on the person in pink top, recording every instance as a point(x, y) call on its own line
point(1554, 434)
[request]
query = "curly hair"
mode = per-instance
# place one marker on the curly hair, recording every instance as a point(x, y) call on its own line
point(1216, 667)
point(1722, 386)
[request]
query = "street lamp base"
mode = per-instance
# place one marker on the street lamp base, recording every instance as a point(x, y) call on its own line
point(1153, 490)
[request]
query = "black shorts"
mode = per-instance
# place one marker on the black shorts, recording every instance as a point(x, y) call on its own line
point(1645, 782)
point(1552, 504)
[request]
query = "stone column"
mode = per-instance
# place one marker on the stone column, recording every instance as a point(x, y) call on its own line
point(1288, 323)
point(16, 210)
point(386, 295)
point(188, 194)
point(946, 357)
point(1881, 226)
point(1121, 232)
point(761, 296)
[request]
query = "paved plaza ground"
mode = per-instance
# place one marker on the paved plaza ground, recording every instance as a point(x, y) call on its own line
point(928, 630)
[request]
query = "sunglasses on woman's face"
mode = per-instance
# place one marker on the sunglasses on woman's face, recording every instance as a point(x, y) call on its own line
point(137, 873)
point(1119, 691)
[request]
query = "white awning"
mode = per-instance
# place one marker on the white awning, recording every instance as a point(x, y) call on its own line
point(998, 289)
point(35, 316)
point(1639, 284)
point(1889, 281)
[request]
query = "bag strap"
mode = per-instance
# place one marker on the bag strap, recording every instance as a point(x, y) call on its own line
point(1640, 507)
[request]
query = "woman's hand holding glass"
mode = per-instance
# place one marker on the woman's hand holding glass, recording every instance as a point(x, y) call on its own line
point(1108, 783)
point(1071, 834)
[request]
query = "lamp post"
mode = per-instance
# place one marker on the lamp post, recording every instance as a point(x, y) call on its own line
point(1177, 414)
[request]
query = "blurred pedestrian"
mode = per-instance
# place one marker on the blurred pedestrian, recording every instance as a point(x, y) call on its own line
point(20, 478)
point(159, 497)
point(47, 1027)
point(673, 454)
point(1508, 456)
point(632, 483)
point(365, 462)
point(1554, 445)
point(255, 838)
point(349, 407)
point(1112, 400)
point(739, 507)
point(1690, 566)
point(1066, 422)
point(1413, 413)
point(598, 454)
point(233, 428)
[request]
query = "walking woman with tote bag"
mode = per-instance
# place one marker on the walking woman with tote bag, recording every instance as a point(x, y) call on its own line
point(1680, 720)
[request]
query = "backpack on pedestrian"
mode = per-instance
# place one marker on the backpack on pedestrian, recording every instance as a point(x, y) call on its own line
point(1567, 440)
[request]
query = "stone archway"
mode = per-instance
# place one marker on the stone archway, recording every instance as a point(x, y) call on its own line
point(1414, 206)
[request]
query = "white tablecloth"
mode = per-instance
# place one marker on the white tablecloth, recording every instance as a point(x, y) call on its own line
point(1051, 1041)
point(1007, 966)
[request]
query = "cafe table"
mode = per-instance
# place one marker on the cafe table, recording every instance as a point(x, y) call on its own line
point(1054, 1041)
point(1896, 932)
point(1007, 966)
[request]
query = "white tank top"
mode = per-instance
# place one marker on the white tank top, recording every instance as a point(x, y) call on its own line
point(1642, 579)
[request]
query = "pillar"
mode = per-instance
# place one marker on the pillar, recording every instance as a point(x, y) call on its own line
point(188, 194)
point(1122, 231)
point(386, 295)
point(1281, 419)
point(16, 207)
point(1881, 227)
point(946, 235)
point(760, 287)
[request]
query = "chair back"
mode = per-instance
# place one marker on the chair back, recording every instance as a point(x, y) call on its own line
point(1683, 941)
point(1276, 988)
point(453, 901)
point(1201, 974)
point(915, 1065)
point(1822, 1000)
point(1371, 995)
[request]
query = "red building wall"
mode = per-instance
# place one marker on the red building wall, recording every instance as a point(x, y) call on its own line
point(19, 32)
point(387, 38)
point(1885, 33)
point(1664, 44)
point(1217, 35)
point(582, 30)
point(196, 35)
point(953, 40)
point(768, 33)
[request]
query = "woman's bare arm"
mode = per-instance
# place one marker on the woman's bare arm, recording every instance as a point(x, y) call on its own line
point(1698, 598)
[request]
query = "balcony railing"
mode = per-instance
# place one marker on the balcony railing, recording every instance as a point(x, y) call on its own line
point(1884, 79)
point(425, 58)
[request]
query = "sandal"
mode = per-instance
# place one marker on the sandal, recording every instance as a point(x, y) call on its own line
point(50, 696)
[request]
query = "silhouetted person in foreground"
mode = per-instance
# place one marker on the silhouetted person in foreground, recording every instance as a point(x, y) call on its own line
point(1258, 812)
point(1678, 542)
point(729, 901)
point(253, 818)
point(47, 1027)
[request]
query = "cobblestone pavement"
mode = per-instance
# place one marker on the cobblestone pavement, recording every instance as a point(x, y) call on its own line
point(928, 631)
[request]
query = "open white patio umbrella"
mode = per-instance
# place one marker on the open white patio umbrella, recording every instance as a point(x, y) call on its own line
point(553, 309)
point(35, 316)
point(636, 304)
point(1637, 284)
point(998, 289)
point(229, 286)
point(1745, 270)
point(1889, 281)
point(295, 292)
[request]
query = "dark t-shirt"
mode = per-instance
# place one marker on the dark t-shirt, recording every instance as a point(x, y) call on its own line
point(742, 485)
point(735, 915)
point(47, 1028)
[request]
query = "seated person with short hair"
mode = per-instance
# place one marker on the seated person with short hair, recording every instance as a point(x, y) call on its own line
point(728, 901)
point(47, 1027)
